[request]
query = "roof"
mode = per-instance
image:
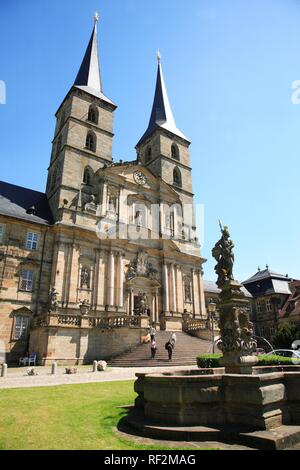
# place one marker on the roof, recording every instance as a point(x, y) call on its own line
point(15, 201)
point(89, 77)
point(291, 308)
point(210, 286)
point(266, 274)
point(161, 115)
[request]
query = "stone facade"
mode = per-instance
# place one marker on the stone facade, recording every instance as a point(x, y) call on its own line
point(121, 250)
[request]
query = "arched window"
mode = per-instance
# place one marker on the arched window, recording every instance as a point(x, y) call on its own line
point(175, 152)
point(93, 114)
point(148, 154)
point(177, 177)
point(91, 142)
point(87, 176)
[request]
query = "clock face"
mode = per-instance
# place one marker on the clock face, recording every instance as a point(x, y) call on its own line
point(139, 177)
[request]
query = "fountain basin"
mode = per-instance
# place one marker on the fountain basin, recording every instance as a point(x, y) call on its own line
point(261, 401)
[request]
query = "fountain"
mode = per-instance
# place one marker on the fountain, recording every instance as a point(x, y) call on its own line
point(238, 402)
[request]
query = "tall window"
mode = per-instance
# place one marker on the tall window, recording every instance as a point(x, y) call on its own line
point(1, 233)
point(21, 327)
point(177, 177)
point(32, 241)
point(93, 115)
point(91, 142)
point(269, 305)
point(175, 152)
point(26, 280)
point(259, 306)
point(87, 176)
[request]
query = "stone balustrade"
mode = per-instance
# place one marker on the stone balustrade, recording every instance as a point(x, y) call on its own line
point(78, 321)
point(195, 325)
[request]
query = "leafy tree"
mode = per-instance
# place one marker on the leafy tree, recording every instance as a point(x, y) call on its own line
point(284, 336)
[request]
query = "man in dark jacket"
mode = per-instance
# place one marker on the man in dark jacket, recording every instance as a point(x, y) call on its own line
point(169, 348)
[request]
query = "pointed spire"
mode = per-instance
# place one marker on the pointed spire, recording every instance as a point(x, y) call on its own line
point(161, 115)
point(89, 77)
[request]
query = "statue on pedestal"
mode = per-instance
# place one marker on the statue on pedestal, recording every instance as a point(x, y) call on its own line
point(236, 330)
point(223, 253)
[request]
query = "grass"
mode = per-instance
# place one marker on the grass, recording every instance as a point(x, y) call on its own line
point(67, 417)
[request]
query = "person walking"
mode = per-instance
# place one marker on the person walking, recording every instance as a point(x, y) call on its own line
point(173, 339)
point(152, 331)
point(153, 348)
point(169, 348)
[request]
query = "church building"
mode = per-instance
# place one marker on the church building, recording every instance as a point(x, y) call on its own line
point(110, 247)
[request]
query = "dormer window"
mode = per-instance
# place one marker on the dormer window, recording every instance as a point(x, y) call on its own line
point(91, 142)
point(93, 115)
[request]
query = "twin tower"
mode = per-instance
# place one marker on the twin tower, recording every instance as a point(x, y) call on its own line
point(83, 137)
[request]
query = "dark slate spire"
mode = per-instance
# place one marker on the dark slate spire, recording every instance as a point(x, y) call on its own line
point(89, 77)
point(161, 115)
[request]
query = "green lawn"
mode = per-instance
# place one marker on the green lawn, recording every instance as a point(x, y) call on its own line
point(66, 417)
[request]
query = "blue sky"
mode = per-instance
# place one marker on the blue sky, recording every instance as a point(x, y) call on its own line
point(229, 66)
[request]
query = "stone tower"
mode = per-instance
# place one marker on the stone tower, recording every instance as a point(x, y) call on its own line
point(83, 135)
point(164, 150)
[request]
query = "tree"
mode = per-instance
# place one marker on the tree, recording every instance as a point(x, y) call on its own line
point(285, 335)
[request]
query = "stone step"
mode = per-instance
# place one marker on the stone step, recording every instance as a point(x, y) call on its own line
point(186, 350)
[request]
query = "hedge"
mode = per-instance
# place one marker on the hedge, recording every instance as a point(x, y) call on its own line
point(210, 361)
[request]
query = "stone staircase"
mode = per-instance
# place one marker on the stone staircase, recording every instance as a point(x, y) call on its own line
point(186, 350)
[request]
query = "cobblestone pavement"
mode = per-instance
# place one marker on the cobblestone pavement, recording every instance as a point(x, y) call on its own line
point(18, 378)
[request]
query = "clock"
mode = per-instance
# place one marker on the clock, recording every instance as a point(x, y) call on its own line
point(139, 177)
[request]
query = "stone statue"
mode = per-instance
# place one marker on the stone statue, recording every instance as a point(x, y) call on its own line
point(91, 206)
point(140, 267)
point(142, 304)
point(84, 306)
point(85, 278)
point(53, 299)
point(223, 254)
point(236, 330)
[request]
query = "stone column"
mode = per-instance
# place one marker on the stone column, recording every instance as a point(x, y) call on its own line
point(96, 279)
point(104, 199)
point(173, 281)
point(179, 281)
point(166, 289)
point(73, 273)
point(111, 280)
point(58, 268)
point(196, 308)
point(156, 306)
point(203, 312)
point(101, 279)
point(161, 218)
point(131, 302)
point(120, 281)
